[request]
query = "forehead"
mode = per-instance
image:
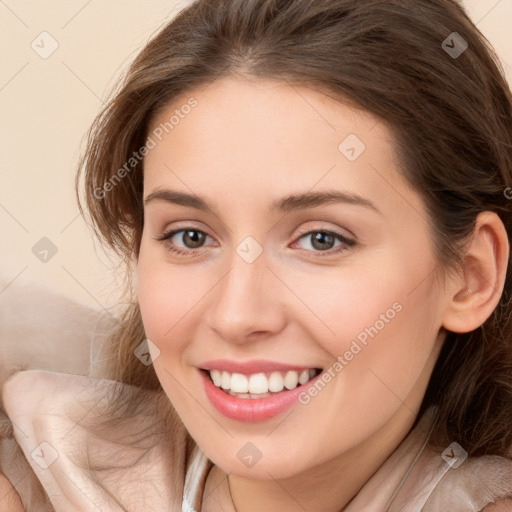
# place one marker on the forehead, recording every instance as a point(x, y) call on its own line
point(237, 110)
point(265, 138)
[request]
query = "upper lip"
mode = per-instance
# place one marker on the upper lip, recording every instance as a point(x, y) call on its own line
point(253, 366)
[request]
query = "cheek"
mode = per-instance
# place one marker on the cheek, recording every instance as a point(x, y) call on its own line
point(166, 296)
point(384, 320)
point(387, 299)
point(379, 321)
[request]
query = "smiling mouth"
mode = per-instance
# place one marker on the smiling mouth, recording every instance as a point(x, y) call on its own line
point(260, 385)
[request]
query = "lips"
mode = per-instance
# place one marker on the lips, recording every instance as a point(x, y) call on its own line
point(254, 391)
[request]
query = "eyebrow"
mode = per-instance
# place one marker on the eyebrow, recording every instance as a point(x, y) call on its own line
point(286, 204)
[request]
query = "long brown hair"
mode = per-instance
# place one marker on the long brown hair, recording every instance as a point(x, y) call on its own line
point(451, 115)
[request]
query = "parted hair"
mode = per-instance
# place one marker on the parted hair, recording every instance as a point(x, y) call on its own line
point(450, 114)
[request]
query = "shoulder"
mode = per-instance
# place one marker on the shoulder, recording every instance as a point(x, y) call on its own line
point(33, 397)
point(63, 424)
point(24, 392)
point(43, 404)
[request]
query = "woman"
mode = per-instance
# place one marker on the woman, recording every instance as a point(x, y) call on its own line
point(313, 197)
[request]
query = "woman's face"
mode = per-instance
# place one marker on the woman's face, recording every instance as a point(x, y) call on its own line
point(314, 254)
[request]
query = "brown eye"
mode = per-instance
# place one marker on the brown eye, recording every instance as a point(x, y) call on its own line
point(190, 239)
point(322, 241)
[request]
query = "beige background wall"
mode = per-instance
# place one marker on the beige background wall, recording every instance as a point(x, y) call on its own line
point(46, 106)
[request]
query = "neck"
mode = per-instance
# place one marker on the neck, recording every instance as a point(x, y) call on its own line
point(328, 487)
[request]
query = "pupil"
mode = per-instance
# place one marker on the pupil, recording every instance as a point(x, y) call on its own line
point(194, 237)
point(321, 239)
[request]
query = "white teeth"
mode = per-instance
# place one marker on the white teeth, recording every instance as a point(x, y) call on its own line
point(245, 386)
point(239, 383)
point(216, 377)
point(225, 381)
point(291, 380)
point(304, 376)
point(276, 382)
point(258, 383)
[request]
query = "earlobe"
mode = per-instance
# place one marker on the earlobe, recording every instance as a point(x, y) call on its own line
point(475, 292)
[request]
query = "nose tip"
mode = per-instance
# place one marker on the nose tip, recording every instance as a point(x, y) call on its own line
point(245, 306)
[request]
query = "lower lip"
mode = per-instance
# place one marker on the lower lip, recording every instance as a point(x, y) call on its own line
point(251, 410)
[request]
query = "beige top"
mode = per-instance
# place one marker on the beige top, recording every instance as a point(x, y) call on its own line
point(50, 446)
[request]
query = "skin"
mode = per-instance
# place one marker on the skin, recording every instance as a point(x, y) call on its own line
point(243, 146)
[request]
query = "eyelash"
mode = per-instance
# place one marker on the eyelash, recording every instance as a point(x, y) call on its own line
point(347, 243)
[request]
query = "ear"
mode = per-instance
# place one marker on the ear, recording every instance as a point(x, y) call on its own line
point(474, 292)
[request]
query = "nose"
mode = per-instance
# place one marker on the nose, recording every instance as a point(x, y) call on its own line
point(248, 303)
